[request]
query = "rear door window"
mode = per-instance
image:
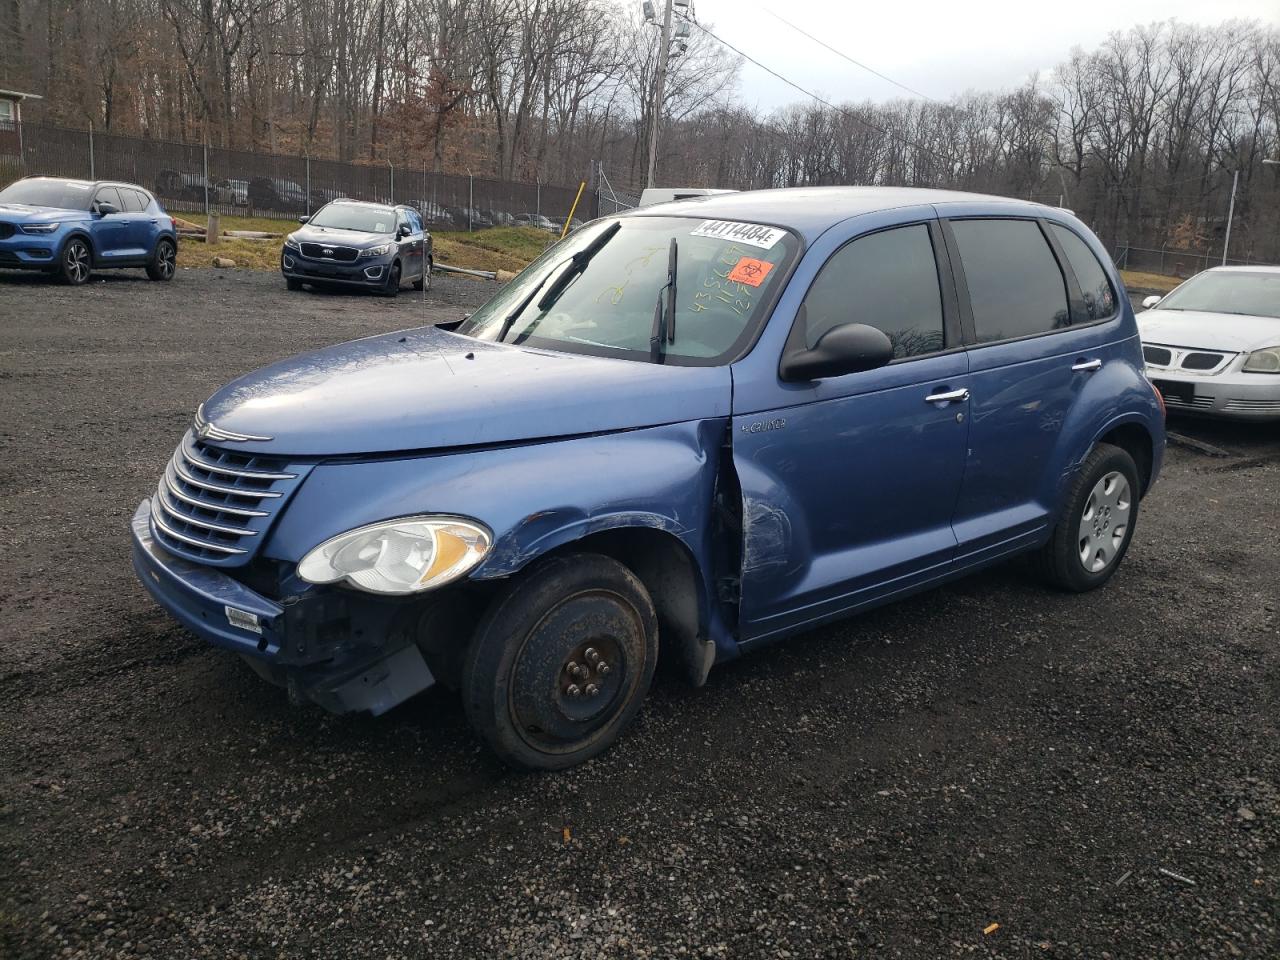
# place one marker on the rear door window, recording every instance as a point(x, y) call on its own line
point(887, 280)
point(1015, 286)
point(132, 200)
point(1099, 297)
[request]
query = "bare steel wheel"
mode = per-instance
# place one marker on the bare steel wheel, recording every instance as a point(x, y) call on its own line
point(76, 262)
point(561, 662)
point(1104, 523)
point(1096, 523)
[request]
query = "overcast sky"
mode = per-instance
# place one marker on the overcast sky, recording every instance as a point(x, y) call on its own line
point(939, 47)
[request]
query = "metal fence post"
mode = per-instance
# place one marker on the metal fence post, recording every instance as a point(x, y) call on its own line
point(307, 156)
point(22, 150)
point(92, 175)
point(471, 198)
point(539, 210)
point(393, 181)
point(206, 179)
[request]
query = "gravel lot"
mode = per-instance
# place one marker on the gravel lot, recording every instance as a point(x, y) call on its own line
point(990, 753)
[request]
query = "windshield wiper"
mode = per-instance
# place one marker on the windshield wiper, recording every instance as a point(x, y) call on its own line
point(664, 311)
point(577, 263)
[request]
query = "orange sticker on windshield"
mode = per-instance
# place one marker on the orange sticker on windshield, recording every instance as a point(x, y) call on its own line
point(750, 271)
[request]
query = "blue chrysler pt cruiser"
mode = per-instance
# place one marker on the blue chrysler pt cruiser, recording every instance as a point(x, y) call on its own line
point(694, 428)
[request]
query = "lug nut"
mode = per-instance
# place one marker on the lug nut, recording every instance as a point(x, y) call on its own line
point(591, 690)
point(573, 690)
point(602, 668)
point(591, 654)
point(571, 668)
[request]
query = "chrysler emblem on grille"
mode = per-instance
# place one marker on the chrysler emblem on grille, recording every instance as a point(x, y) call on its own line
point(205, 430)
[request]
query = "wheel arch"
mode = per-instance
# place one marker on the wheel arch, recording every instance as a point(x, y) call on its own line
point(671, 574)
point(1134, 438)
point(80, 233)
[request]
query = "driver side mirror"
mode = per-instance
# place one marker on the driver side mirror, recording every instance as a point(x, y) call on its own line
point(402, 231)
point(105, 208)
point(847, 348)
point(303, 219)
point(1151, 301)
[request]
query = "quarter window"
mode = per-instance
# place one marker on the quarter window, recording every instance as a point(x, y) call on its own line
point(1015, 286)
point(887, 280)
point(1099, 298)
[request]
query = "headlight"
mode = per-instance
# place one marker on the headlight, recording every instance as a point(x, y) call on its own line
point(399, 556)
point(40, 227)
point(381, 250)
point(1263, 361)
point(291, 243)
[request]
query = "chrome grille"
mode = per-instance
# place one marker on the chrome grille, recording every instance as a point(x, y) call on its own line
point(216, 505)
point(1255, 406)
point(1201, 360)
point(1193, 402)
point(1157, 355)
point(316, 251)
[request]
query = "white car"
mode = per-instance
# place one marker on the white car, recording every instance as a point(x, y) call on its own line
point(1212, 346)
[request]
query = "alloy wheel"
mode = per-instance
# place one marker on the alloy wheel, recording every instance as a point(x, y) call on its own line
point(76, 261)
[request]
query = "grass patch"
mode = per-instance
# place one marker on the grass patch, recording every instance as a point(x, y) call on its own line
point(1136, 280)
point(499, 248)
point(253, 254)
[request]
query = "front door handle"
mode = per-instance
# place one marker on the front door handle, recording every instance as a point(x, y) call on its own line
point(947, 397)
point(1087, 366)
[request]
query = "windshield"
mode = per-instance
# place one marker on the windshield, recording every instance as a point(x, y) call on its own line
point(1244, 292)
point(348, 216)
point(727, 275)
point(66, 194)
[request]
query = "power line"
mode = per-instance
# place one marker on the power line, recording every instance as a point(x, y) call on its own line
point(827, 103)
point(856, 63)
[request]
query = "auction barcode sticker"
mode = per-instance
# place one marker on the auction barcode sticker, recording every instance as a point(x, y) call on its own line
point(755, 234)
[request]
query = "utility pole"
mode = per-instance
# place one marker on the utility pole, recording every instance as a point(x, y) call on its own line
point(664, 53)
point(1231, 210)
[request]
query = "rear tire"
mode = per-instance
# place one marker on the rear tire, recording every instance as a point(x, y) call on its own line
point(1097, 522)
point(164, 260)
point(561, 662)
point(75, 263)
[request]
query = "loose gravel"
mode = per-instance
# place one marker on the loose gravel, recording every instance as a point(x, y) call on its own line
point(1083, 776)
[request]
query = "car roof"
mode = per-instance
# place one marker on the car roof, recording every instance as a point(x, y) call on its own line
point(810, 211)
point(93, 183)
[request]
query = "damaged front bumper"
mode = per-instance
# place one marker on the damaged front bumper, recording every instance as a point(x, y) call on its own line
point(342, 651)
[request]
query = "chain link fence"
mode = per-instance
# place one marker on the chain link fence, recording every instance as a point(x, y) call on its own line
point(192, 177)
point(1173, 261)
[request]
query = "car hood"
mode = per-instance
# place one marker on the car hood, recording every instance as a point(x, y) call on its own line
point(426, 389)
point(1228, 332)
point(350, 238)
point(24, 212)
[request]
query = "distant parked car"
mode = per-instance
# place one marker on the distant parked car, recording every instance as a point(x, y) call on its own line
point(436, 214)
point(1212, 346)
point(274, 193)
point(500, 218)
point(534, 220)
point(353, 243)
point(71, 227)
point(184, 186)
point(234, 192)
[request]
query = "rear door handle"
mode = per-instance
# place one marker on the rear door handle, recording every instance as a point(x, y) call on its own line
point(1087, 366)
point(947, 397)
